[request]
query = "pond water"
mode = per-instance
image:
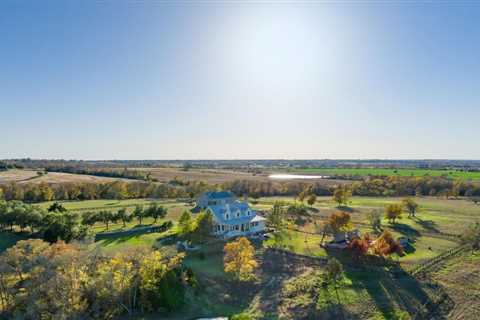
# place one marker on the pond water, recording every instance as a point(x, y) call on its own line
point(287, 176)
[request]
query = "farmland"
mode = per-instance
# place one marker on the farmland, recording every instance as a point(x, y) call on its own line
point(276, 292)
point(31, 176)
point(402, 172)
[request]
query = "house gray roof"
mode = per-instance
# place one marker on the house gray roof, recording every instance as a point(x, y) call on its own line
point(235, 207)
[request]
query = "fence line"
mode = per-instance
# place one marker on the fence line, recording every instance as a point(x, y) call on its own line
point(439, 234)
point(150, 229)
point(425, 266)
point(125, 205)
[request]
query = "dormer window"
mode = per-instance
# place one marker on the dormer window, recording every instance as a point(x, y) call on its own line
point(227, 216)
point(238, 214)
point(248, 212)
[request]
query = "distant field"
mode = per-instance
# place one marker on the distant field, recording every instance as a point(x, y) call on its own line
point(216, 176)
point(389, 172)
point(31, 176)
point(208, 175)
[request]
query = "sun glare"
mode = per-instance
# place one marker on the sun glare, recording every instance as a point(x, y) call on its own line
point(280, 49)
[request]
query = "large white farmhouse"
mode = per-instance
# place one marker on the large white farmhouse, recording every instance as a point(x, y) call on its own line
point(231, 217)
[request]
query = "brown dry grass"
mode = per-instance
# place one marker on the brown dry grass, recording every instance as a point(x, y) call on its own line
point(30, 176)
point(210, 176)
point(217, 176)
point(460, 277)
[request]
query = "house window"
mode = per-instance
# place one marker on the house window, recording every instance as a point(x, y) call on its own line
point(227, 216)
point(248, 213)
point(236, 227)
point(223, 227)
point(238, 214)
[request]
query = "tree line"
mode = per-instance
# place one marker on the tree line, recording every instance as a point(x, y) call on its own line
point(57, 223)
point(178, 188)
point(106, 216)
point(31, 192)
point(368, 186)
point(107, 172)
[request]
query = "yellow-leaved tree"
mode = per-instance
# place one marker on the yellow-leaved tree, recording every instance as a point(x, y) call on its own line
point(239, 259)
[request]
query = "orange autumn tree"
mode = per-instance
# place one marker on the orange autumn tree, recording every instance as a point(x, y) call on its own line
point(386, 245)
point(239, 259)
point(360, 246)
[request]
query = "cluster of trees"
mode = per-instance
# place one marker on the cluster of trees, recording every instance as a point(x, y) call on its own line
point(196, 229)
point(394, 211)
point(342, 194)
point(66, 281)
point(383, 246)
point(105, 216)
point(307, 194)
point(52, 225)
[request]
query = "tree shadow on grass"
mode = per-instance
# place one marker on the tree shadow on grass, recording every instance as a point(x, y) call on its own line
point(301, 221)
point(313, 209)
point(388, 285)
point(428, 225)
point(405, 230)
point(120, 239)
point(345, 209)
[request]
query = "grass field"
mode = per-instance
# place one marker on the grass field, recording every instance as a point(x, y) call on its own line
point(435, 217)
point(436, 220)
point(31, 176)
point(389, 172)
point(460, 277)
point(372, 292)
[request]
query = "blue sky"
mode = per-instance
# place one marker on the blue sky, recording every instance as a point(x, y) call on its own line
point(203, 80)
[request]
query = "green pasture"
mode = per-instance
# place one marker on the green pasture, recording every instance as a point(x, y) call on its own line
point(369, 290)
point(85, 205)
point(301, 243)
point(435, 220)
point(174, 208)
point(403, 172)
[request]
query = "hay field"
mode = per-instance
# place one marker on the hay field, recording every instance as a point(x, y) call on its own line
point(31, 176)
